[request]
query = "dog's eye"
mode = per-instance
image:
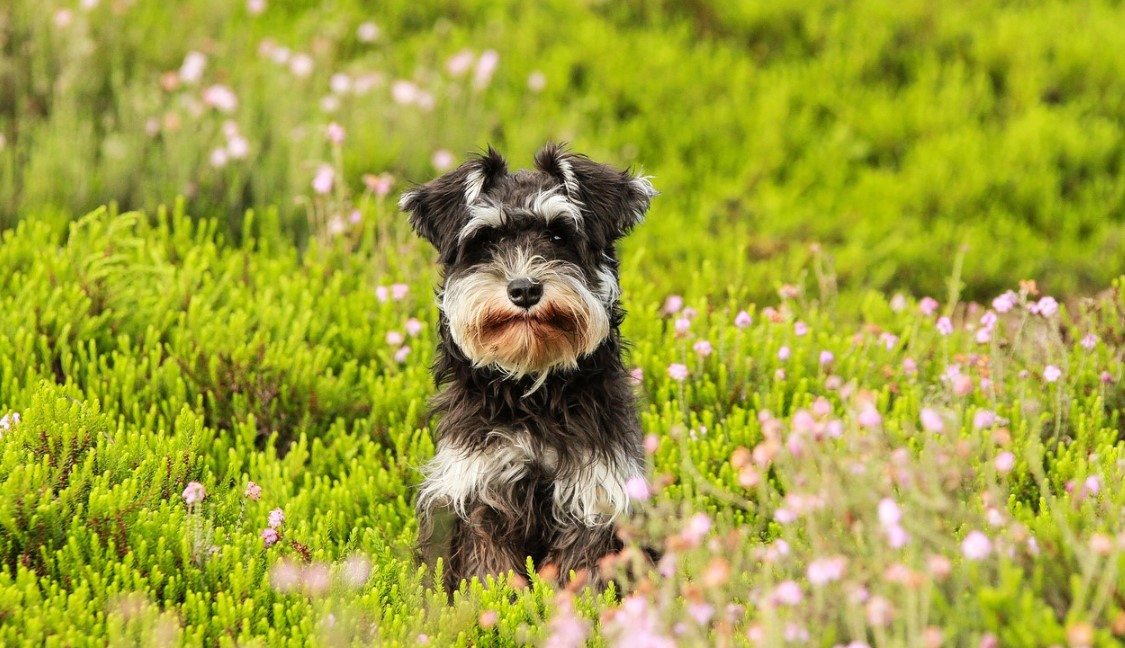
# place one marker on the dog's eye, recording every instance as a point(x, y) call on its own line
point(556, 236)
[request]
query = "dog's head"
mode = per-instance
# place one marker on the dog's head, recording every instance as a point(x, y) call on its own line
point(529, 259)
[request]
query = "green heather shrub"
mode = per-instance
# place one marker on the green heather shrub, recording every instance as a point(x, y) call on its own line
point(213, 407)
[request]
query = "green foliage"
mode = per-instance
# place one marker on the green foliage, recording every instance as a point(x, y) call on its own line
point(814, 159)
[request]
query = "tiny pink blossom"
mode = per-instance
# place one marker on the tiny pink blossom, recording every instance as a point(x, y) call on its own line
point(944, 325)
point(269, 537)
point(869, 417)
point(983, 419)
point(194, 493)
point(962, 385)
point(888, 340)
point(382, 293)
point(1005, 302)
point(1004, 462)
point(1051, 373)
point(988, 320)
point(928, 306)
point(442, 160)
point(401, 354)
point(238, 147)
point(800, 328)
point(682, 326)
point(253, 491)
point(301, 65)
point(1105, 377)
point(1089, 341)
point(413, 327)
point(890, 514)
point(380, 185)
point(701, 613)
point(698, 526)
point(879, 611)
point(703, 348)
point(276, 518)
point(989, 640)
point(909, 367)
point(976, 546)
point(1045, 307)
point(219, 158)
point(1093, 485)
point(826, 570)
point(637, 488)
point(486, 66)
point(673, 304)
point(638, 375)
point(324, 178)
point(787, 593)
point(367, 32)
point(983, 336)
point(191, 71)
point(677, 371)
point(394, 338)
point(652, 443)
point(255, 7)
point(536, 81)
point(743, 319)
point(335, 133)
point(783, 353)
point(931, 420)
point(221, 98)
point(399, 291)
point(826, 358)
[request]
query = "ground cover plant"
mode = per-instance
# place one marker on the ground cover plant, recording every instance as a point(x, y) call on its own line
point(876, 315)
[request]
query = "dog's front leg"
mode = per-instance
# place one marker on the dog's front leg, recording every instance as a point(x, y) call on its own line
point(578, 548)
point(488, 542)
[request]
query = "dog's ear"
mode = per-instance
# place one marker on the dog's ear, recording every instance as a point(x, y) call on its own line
point(439, 208)
point(615, 198)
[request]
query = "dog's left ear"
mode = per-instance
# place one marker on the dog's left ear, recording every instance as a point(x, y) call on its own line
point(440, 208)
point(616, 198)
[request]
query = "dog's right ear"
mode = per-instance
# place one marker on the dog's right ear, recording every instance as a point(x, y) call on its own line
point(440, 208)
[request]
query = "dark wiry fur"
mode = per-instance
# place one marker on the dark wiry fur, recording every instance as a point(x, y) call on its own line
point(575, 414)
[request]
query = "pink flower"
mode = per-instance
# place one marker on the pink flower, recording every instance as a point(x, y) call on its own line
point(1004, 462)
point(928, 305)
point(276, 518)
point(1005, 302)
point(988, 320)
point(984, 419)
point(743, 319)
point(890, 514)
point(1093, 485)
point(356, 571)
point(698, 526)
point(983, 336)
point(783, 353)
point(253, 491)
point(637, 488)
point(401, 354)
point(1089, 341)
point(1045, 307)
point(888, 340)
point(702, 347)
point(800, 328)
point(652, 443)
point(380, 185)
point(219, 158)
point(909, 367)
point(944, 325)
point(787, 593)
point(536, 81)
point(931, 420)
point(335, 133)
point(826, 570)
point(826, 358)
point(413, 327)
point(962, 385)
point(567, 629)
point(976, 546)
point(1105, 377)
point(255, 7)
point(394, 338)
point(238, 147)
point(677, 372)
point(220, 98)
point(191, 71)
point(194, 493)
point(269, 537)
point(638, 375)
point(367, 32)
point(382, 293)
point(989, 640)
point(486, 66)
point(301, 65)
point(879, 611)
point(1051, 373)
point(406, 93)
point(673, 304)
point(682, 326)
point(869, 417)
point(325, 177)
point(442, 160)
point(701, 613)
point(897, 537)
point(458, 64)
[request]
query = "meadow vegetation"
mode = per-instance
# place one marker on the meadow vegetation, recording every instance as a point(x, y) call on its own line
point(876, 316)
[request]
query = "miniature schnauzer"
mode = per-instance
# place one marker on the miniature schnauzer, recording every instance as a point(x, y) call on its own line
point(538, 431)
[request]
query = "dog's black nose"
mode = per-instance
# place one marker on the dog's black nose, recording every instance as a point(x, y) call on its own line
point(524, 292)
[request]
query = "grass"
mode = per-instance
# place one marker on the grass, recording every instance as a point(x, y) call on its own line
point(840, 465)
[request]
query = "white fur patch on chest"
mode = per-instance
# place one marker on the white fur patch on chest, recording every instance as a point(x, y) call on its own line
point(589, 490)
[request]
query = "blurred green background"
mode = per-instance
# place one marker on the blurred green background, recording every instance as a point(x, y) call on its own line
point(885, 139)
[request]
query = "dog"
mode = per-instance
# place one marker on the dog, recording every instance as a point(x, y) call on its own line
point(537, 431)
